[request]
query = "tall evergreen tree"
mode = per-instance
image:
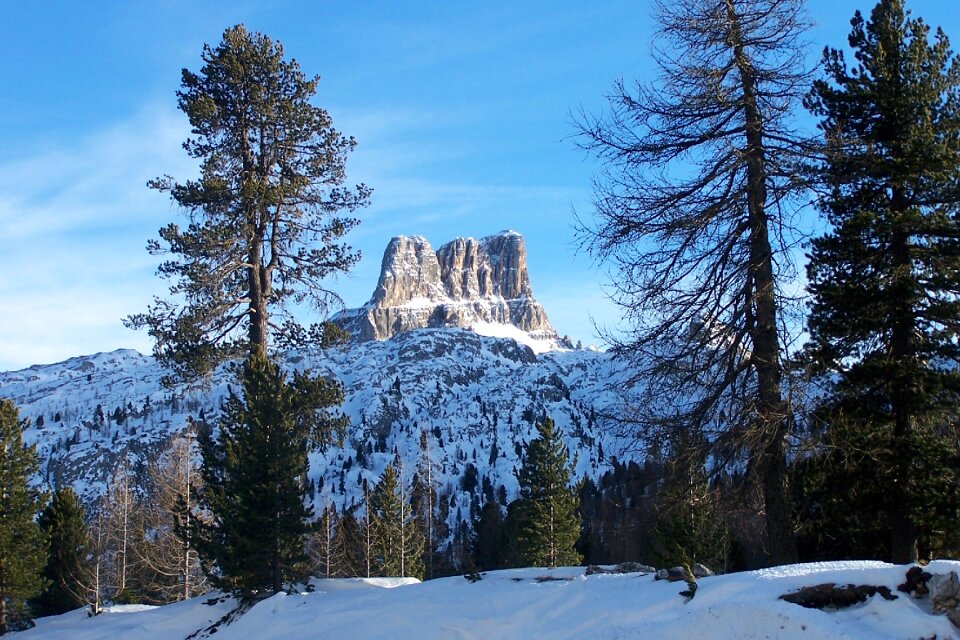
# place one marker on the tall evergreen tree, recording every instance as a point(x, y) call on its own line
point(254, 476)
point(22, 544)
point(694, 211)
point(885, 316)
point(398, 539)
point(549, 521)
point(67, 572)
point(264, 226)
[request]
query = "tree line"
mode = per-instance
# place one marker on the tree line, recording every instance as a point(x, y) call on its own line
point(174, 538)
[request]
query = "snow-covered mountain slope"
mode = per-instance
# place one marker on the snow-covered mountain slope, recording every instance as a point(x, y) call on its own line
point(520, 603)
point(476, 397)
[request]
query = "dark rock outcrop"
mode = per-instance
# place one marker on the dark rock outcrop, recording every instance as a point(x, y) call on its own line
point(916, 583)
point(623, 567)
point(943, 590)
point(830, 596)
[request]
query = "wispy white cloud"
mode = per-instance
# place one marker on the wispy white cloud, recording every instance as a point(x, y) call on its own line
point(95, 182)
point(74, 223)
point(44, 327)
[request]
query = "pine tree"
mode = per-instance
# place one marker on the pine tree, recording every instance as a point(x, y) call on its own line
point(489, 544)
point(350, 535)
point(549, 521)
point(885, 316)
point(67, 571)
point(264, 230)
point(22, 544)
point(254, 476)
point(398, 540)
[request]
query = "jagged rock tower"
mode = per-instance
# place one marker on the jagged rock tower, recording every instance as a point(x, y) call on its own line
point(467, 282)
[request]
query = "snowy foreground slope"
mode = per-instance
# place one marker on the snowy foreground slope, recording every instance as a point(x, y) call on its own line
point(514, 604)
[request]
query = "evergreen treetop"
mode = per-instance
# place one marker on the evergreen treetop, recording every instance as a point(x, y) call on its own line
point(398, 538)
point(265, 229)
point(66, 572)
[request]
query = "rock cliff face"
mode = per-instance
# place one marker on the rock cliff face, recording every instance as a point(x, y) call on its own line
point(462, 284)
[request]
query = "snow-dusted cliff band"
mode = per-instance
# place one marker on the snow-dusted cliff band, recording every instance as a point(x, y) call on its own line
point(466, 283)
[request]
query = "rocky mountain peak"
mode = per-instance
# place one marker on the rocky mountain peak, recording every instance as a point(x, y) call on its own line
point(409, 271)
point(465, 283)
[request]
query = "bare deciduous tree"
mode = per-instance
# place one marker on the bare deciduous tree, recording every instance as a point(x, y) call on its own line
point(169, 561)
point(120, 527)
point(694, 213)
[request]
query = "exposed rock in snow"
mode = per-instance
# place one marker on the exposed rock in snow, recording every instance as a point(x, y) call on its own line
point(830, 596)
point(945, 595)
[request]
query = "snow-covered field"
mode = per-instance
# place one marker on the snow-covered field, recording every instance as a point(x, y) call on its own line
point(520, 604)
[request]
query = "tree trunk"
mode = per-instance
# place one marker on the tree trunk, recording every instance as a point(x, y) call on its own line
point(186, 520)
point(771, 412)
point(257, 331)
point(428, 468)
point(368, 546)
point(903, 529)
point(256, 292)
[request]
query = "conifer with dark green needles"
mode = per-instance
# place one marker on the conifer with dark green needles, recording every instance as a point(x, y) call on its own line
point(885, 280)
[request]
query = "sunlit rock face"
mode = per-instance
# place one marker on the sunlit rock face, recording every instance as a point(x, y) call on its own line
point(464, 283)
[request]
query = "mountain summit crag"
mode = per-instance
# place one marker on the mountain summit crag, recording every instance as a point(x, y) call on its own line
point(465, 283)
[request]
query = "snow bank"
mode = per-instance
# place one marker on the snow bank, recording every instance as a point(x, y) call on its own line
point(539, 603)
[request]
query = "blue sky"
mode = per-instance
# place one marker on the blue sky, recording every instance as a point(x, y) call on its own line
point(462, 112)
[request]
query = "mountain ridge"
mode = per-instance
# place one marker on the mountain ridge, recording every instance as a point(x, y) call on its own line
point(452, 346)
point(477, 397)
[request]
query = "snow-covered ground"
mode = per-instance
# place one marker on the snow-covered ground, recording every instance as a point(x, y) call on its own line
point(520, 604)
